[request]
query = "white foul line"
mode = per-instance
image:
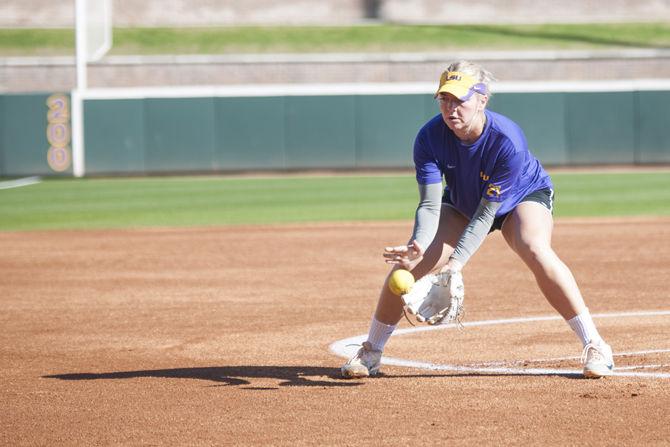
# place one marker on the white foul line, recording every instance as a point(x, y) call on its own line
point(19, 182)
point(348, 347)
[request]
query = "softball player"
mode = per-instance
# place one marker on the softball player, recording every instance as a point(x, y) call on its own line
point(493, 182)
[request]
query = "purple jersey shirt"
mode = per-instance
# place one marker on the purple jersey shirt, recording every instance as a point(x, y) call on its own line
point(498, 166)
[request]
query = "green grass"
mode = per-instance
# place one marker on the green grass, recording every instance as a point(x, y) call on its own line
point(612, 194)
point(207, 201)
point(385, 38)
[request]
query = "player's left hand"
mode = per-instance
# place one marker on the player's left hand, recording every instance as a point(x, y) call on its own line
point(406, 256)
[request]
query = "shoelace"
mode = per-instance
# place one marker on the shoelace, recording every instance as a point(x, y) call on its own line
point(362, 354)
point(598, 356)
point(365, 346)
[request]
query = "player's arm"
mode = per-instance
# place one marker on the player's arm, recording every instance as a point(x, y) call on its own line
point(437, 299)
point(427, 215)
point(426, 221)
point(429, 178)
point(474, 234)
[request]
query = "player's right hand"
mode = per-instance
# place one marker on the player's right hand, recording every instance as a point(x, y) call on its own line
point(406, 256)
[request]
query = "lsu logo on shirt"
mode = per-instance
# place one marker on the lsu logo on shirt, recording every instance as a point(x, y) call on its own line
point(493, 190)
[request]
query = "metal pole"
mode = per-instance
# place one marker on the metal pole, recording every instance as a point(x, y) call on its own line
point(81, 85)
point(81, 31)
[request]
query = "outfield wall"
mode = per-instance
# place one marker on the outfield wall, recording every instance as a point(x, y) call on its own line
point(212, 130)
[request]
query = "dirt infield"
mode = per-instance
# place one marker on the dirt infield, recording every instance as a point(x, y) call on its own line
point(222, 337)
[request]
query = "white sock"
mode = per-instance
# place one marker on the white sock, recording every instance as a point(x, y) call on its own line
point(583, 326)
point(379, 334)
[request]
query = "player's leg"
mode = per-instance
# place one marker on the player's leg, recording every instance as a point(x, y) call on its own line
point(528, 231)
point(389, 306)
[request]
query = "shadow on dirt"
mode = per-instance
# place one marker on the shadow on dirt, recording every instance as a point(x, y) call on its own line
point(244, 376)
point(230, 375)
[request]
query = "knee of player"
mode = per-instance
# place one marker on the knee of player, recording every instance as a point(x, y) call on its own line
point(536, 255)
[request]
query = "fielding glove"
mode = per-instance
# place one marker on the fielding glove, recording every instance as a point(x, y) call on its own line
point(437, 298)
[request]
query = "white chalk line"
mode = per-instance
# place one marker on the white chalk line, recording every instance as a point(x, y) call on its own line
point(664, 365)
point(575, 357)
point(27, 181)
point(348, 347)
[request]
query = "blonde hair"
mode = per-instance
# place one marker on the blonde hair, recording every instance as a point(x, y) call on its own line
point(479, 73)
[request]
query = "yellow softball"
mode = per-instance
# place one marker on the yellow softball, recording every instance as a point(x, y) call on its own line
point(400, 282)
